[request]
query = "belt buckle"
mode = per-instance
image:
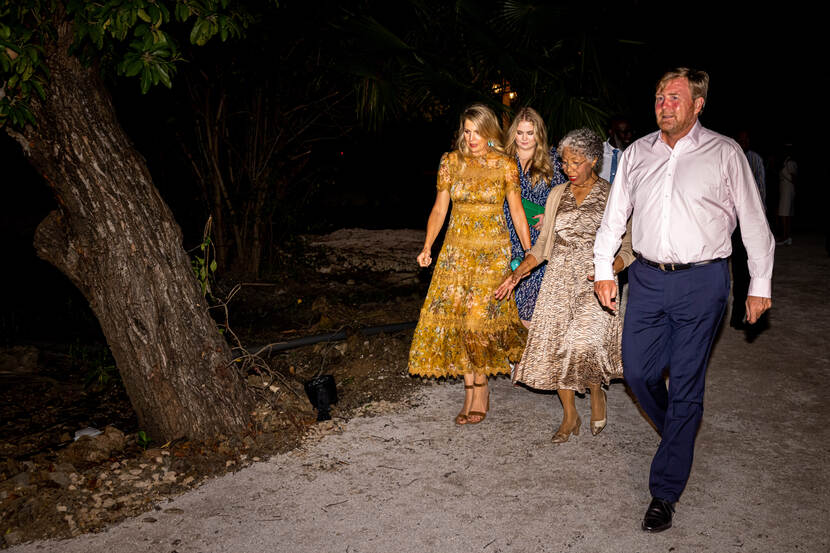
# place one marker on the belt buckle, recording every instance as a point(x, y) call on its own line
point(666, 266)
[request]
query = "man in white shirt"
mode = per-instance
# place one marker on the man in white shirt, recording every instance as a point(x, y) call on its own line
point(685, 188)
point(620, 135)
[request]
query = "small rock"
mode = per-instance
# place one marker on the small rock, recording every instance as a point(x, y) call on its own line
point(258, 381)
point(148, 519)
point(62, 508)
point(59, 478)
point(187, 480)
point(20, 480)
point(107, 503)
point(13, 538)
point(95, 449)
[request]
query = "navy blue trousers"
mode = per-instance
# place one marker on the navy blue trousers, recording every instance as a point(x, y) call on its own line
point(670, 323)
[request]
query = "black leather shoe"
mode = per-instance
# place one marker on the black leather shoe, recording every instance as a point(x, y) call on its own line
point(658, 516)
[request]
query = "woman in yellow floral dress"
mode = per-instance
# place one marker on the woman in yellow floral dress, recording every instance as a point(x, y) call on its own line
point(463, 330)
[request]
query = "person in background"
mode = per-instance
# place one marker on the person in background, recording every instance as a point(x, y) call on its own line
point(685, 188)
point(786, 196)
point(620, 135)
point(463, 330)
point(527, 142)
point(573, 343)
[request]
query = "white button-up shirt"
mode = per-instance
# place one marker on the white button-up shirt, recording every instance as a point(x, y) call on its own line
point(685, 202)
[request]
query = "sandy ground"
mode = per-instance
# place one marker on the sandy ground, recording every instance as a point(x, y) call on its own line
point(410, 480)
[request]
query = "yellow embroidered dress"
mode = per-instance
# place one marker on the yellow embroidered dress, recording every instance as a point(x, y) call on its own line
point(462, 327)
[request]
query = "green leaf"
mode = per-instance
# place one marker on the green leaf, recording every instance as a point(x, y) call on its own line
point(133, 68)
point(182, 11)
point(197, 34)
point(144, 15)
point(213, 266)
point(164, 77)
point(39, 89)
point(146, 80)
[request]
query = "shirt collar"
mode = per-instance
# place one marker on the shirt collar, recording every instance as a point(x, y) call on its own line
point(692, 137)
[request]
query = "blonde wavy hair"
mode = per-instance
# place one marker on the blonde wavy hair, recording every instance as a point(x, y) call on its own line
point(541, 169)
point(487, 125)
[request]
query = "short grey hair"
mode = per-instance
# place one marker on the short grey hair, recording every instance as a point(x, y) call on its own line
point(583, 141)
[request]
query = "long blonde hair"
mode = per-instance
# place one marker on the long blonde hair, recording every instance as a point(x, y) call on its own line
point(487, 125)
point(541, 169)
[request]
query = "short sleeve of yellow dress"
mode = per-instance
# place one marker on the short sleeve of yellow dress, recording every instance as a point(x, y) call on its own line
point(511, 179)
point(444, 176)
point(462, 327)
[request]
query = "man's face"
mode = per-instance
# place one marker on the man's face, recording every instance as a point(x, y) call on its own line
point(675, 110)
point(620, 134)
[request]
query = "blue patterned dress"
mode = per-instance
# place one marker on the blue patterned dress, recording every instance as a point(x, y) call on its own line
point(528, 288)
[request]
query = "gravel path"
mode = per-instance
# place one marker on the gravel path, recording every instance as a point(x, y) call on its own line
point(410, 480)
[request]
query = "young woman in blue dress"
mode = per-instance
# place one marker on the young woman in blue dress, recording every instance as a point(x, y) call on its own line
point(539, 171)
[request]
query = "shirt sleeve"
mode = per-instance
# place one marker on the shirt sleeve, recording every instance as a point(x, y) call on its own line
point(626, 252)
point(614, 220)
point(755, 232)
point(444, 173)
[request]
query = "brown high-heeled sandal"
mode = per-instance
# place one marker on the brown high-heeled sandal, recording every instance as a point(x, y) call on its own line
point(561, 436)
point(461, 418)
point(481, 416)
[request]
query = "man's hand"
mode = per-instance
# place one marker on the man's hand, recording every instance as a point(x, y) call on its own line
point(755, 307)
point(606, 291)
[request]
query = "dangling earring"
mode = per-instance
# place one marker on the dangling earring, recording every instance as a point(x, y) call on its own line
point(491, 143)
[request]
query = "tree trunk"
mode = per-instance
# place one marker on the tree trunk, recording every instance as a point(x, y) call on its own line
point(116, 239)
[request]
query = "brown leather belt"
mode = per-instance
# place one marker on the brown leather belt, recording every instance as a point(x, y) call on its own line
point(675, 266)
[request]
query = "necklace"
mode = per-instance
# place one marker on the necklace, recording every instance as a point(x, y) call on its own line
point(587, 184)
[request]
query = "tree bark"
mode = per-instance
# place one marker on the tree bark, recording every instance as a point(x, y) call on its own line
point(116, 239)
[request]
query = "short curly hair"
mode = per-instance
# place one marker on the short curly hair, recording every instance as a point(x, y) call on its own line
point(582, 141)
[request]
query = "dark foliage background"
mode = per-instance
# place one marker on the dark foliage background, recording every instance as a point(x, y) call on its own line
point(335, 113)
